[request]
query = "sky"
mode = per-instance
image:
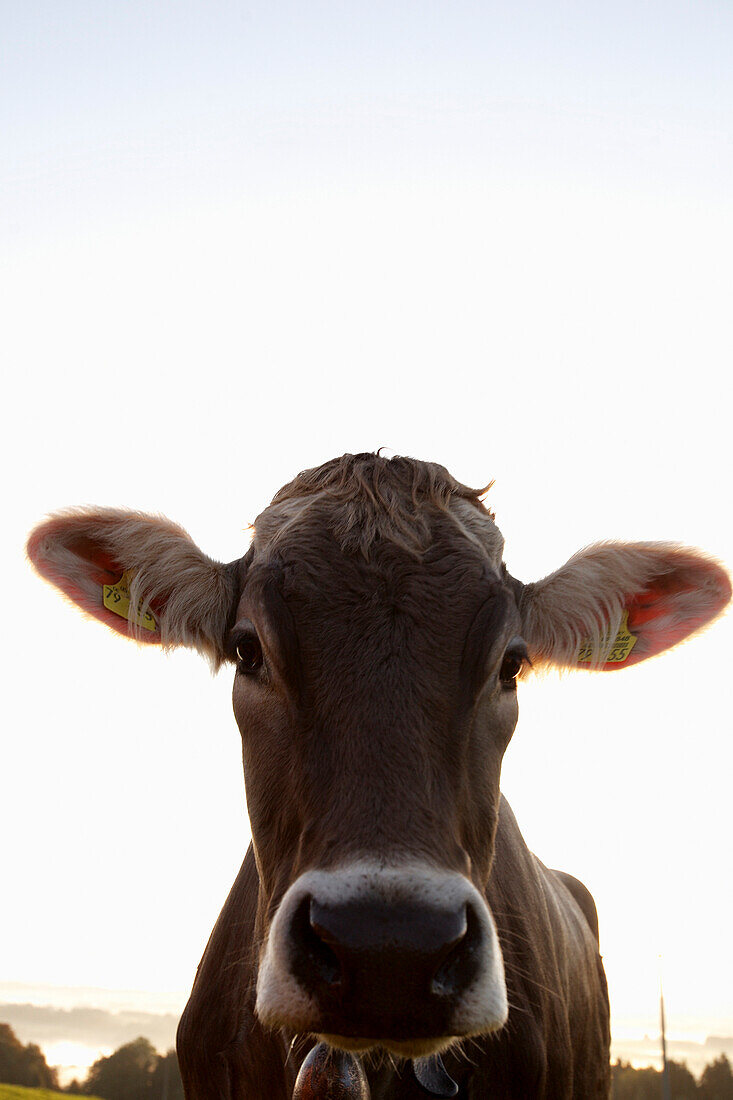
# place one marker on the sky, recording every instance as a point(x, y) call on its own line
point(239, 239)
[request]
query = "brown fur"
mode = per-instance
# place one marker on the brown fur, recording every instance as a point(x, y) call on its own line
point(372, 498)
point(375, 739)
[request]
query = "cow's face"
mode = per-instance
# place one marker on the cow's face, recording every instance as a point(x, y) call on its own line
point(376, 697)
point(377, 639)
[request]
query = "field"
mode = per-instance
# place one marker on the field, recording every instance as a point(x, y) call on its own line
point(18, 1092)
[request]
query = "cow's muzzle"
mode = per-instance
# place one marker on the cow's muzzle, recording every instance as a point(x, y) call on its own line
point(406, 958)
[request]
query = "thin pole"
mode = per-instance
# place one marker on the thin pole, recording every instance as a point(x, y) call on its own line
point(666, 1093)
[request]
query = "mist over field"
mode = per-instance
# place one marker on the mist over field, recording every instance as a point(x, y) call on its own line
point(95, 1028)
point(88, 1031)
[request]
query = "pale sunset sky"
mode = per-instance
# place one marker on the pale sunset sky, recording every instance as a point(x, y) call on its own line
point(242, 238)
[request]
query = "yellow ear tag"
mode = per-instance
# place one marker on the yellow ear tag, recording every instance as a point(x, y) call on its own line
point(624, 642)
point(116, 597)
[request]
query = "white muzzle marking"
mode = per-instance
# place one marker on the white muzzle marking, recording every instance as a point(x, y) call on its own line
point(282, 1000)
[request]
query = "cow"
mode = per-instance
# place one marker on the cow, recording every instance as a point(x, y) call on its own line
point(388, 918)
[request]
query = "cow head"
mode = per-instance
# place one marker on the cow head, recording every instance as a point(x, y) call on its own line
point(377, 640)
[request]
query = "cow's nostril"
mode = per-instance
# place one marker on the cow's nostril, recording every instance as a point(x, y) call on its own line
point(314, 960)
point(461, 965)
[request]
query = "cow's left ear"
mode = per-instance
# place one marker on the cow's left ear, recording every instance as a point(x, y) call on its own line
point(615, 604)
point(141, 575)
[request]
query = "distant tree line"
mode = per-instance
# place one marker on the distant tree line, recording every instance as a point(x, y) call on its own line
point(716, 1082)
point(137, 1072)
point(21, 1065)
point(134, 1072)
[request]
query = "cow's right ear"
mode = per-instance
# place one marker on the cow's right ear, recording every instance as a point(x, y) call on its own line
point(615, 604)
point(141, 575)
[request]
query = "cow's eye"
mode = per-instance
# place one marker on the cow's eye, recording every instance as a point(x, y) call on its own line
point(514, 659)
point(249, 653)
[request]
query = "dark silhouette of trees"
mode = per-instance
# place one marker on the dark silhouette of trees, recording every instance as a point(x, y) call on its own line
point(167, 1083)
point(646, 1084)
point(716, 1082)
point(23, 1065)
point(135, 1072)
point(125, 1075)
point(682, 1085)
point(635, 1084)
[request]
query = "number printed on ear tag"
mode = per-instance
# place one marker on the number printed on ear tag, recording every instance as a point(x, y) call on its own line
point(116, 598)
point(623, 643)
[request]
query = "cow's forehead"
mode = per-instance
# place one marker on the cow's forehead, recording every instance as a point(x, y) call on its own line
point(295, 523)
point(480, 527)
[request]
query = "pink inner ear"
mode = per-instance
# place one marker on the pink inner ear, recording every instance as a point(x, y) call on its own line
point(673, 608)
point(657, 623)
point(661, 600)
point(104, 569)
point(95, 568)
